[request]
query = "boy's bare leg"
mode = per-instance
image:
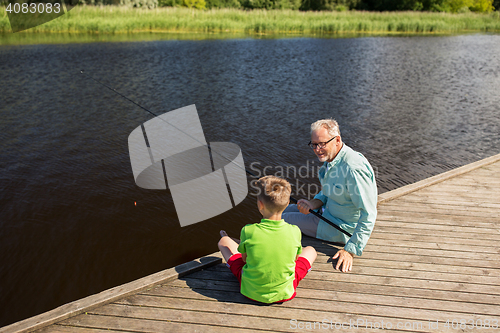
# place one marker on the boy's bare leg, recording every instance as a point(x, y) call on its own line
point(223, 233)
point(227, 246)
point(309, 253)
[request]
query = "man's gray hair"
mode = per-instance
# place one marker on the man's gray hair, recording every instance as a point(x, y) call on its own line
point(330, 124)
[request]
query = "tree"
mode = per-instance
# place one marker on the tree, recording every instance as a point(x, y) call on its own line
point(482, 6)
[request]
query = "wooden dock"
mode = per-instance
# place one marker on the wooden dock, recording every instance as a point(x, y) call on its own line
point(431, 265)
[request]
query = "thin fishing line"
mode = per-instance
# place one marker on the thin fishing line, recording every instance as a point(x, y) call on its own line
point(243, 168)
point(201, 143)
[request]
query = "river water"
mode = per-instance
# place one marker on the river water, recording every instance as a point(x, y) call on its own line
point(72, 220)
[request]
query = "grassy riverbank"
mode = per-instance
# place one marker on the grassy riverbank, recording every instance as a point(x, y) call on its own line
point(118, 20)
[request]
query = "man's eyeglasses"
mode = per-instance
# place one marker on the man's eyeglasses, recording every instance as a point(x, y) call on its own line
point(321, 145)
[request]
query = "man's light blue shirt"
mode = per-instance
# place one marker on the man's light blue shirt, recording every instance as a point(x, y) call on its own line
point(349, 196)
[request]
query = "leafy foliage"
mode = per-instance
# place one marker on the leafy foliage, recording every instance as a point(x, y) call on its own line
point(150, 4)
point(338, 5)
point(223, 4)
point(198, 4)
point(452, 6)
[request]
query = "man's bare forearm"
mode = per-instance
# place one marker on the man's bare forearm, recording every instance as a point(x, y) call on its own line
point(316, 203)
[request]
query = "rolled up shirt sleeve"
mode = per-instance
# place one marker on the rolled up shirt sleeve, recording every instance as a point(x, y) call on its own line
point(321, 197)
point(362, 189)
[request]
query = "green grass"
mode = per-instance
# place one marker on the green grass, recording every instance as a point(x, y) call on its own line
point(118, 20)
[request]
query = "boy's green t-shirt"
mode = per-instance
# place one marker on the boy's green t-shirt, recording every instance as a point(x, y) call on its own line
point(271, 248)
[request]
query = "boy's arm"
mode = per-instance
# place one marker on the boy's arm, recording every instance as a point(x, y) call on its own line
point(299, 248)
point(241, 246)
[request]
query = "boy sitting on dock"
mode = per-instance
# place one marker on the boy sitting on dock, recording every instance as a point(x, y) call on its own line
point(269, 261)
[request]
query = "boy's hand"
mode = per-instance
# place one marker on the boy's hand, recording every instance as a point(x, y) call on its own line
point(344, 259)
point(303, 206)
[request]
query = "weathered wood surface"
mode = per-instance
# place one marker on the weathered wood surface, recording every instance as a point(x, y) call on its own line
point(433, 257)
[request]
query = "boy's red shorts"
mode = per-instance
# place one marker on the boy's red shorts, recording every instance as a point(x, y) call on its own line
point(302, 267)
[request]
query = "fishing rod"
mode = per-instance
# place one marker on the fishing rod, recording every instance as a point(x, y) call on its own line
point(249, 172)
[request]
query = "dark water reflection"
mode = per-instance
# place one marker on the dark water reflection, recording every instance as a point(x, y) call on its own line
point(415, 107)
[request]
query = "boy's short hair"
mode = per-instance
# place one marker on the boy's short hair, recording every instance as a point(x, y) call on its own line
point(274, 192)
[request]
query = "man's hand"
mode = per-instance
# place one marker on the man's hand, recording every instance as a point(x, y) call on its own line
point(344, 259)
point(304, 206)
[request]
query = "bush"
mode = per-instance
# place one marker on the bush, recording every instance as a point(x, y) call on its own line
point(150, 4)
point(223, 4)
point(270, 4)
point(198, 4)
point(397, 5)
point(464, 6)
point(338, 5)
point(482, 6)
point(169, 3)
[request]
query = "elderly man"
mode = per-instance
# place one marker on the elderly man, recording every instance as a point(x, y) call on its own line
point(348, 195)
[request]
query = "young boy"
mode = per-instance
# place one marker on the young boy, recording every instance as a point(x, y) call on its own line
point(269, 262)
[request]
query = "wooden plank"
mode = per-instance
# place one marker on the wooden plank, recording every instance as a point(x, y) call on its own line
point(436, 245)
point(451, 202)
point(467, 228)
point(432, 252)
point(462, 190)
point(486, 171)
point(457, 296)
point(332, 277)
point(338, 305)
point(423, 276)
point(431, 282)
point(473, 183)
point(468, 237)
point(492, 167)
point(230, 303)
point(490, 222)
point(324, 261)
point(353, 297)
point(143, 325)
point(440, 209)
point(441, 193)
point(211, 314)
point(471, 191)
point(481, 177)
point(388, 196)
point(486, 180)
point(392, 232)
point(379, 272)
point(330, 250)
point(72, 329)
point(391, 256)
point(473, 232)
point(110, 295)
point(431, 239)
point(456, 207)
